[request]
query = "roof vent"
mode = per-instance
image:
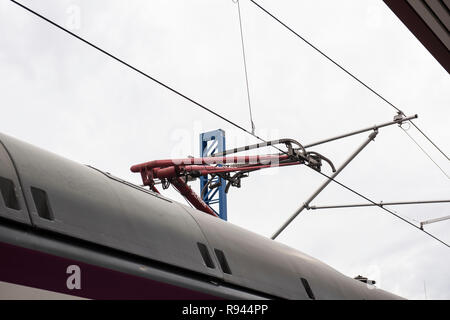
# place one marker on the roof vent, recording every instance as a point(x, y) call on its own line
point(365, 280)
point(8, 194)
point(42, 205)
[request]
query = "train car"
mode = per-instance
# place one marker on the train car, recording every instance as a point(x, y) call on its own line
point(71, 231)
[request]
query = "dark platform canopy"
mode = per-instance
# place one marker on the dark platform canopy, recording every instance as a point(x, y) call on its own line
point(429, 21)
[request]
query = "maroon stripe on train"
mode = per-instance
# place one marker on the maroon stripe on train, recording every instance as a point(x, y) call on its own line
point(45, 271)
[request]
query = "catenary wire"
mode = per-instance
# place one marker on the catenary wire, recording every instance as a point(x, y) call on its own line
point(382, 207)
point(426, 153)
point(245, 65)
point(204, 107)
point(135, 69)
point(345, 70)
point(431, 141)
point(141, 72)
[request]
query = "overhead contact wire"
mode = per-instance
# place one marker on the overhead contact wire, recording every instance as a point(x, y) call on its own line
point(346, 71)
point(245, 66)
point(208, 109)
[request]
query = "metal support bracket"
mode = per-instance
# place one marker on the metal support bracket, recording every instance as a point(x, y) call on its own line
point(320, 189)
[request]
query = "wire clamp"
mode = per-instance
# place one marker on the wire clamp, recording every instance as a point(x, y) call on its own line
point(399, 118)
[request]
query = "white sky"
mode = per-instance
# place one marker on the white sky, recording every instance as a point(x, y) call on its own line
point(64, 96)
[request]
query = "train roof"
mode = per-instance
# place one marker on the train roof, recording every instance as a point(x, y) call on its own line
point(62, 196)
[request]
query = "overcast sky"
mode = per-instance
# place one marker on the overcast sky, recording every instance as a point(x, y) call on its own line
point(63, 96)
